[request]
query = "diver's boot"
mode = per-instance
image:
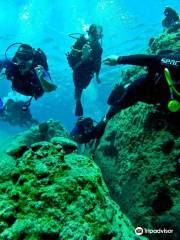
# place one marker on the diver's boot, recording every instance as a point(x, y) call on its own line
point(79, 109)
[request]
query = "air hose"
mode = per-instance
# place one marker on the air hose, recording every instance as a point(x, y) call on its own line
point(173, 105)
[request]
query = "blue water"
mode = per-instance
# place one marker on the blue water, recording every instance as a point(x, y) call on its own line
point(128, 26)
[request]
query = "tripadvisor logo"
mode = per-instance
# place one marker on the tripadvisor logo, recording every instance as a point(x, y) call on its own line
point(139, 231)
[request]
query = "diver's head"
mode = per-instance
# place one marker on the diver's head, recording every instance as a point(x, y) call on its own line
point(95, 32)
point(169, 12)
point(24, 58)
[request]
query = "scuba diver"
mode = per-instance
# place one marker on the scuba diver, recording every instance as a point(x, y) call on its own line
point(161, 85)
point(171, 18)
point(84, 130)
point(85, 61)
point(12, 113)
point(28, 72)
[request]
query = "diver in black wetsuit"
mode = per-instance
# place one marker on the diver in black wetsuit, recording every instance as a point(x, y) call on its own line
point(151, 88)
point(85, 60)
point(28, 71)
point(13, 114)
point(83, 130)
point(160, 85)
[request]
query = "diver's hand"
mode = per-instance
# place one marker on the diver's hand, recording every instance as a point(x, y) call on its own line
point(39, 71)
point(86, 51)
point(45, 79)
point(111, 60)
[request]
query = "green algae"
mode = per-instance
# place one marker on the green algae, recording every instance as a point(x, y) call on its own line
point(54, 193)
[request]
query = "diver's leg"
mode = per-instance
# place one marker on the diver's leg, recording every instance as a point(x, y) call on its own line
point(79, 107)
point(116, 94)
point(135, 92)
point(77, 79)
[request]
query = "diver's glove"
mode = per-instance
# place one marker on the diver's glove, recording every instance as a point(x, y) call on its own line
point(111, 60)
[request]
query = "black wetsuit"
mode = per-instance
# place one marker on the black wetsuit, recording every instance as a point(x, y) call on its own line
point(83, 74)
point(27, 84)
point(83, 71)
point(151, 88)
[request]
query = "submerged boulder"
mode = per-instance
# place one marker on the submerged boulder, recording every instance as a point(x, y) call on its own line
point(43, 132)
point(67, 144)
point(139, 162)
point(7, 165)
point(139, 157)
point(165, 41)
point(54, 193)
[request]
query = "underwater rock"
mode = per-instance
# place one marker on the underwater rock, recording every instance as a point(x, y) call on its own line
point(19, 144)
point(55, 194)
point(17, 150)
point(166, 41)
point(38, 145)
point(167, 145)
point(7, 165)
point(67, 144)
point(143, 175)
point(43, 128)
